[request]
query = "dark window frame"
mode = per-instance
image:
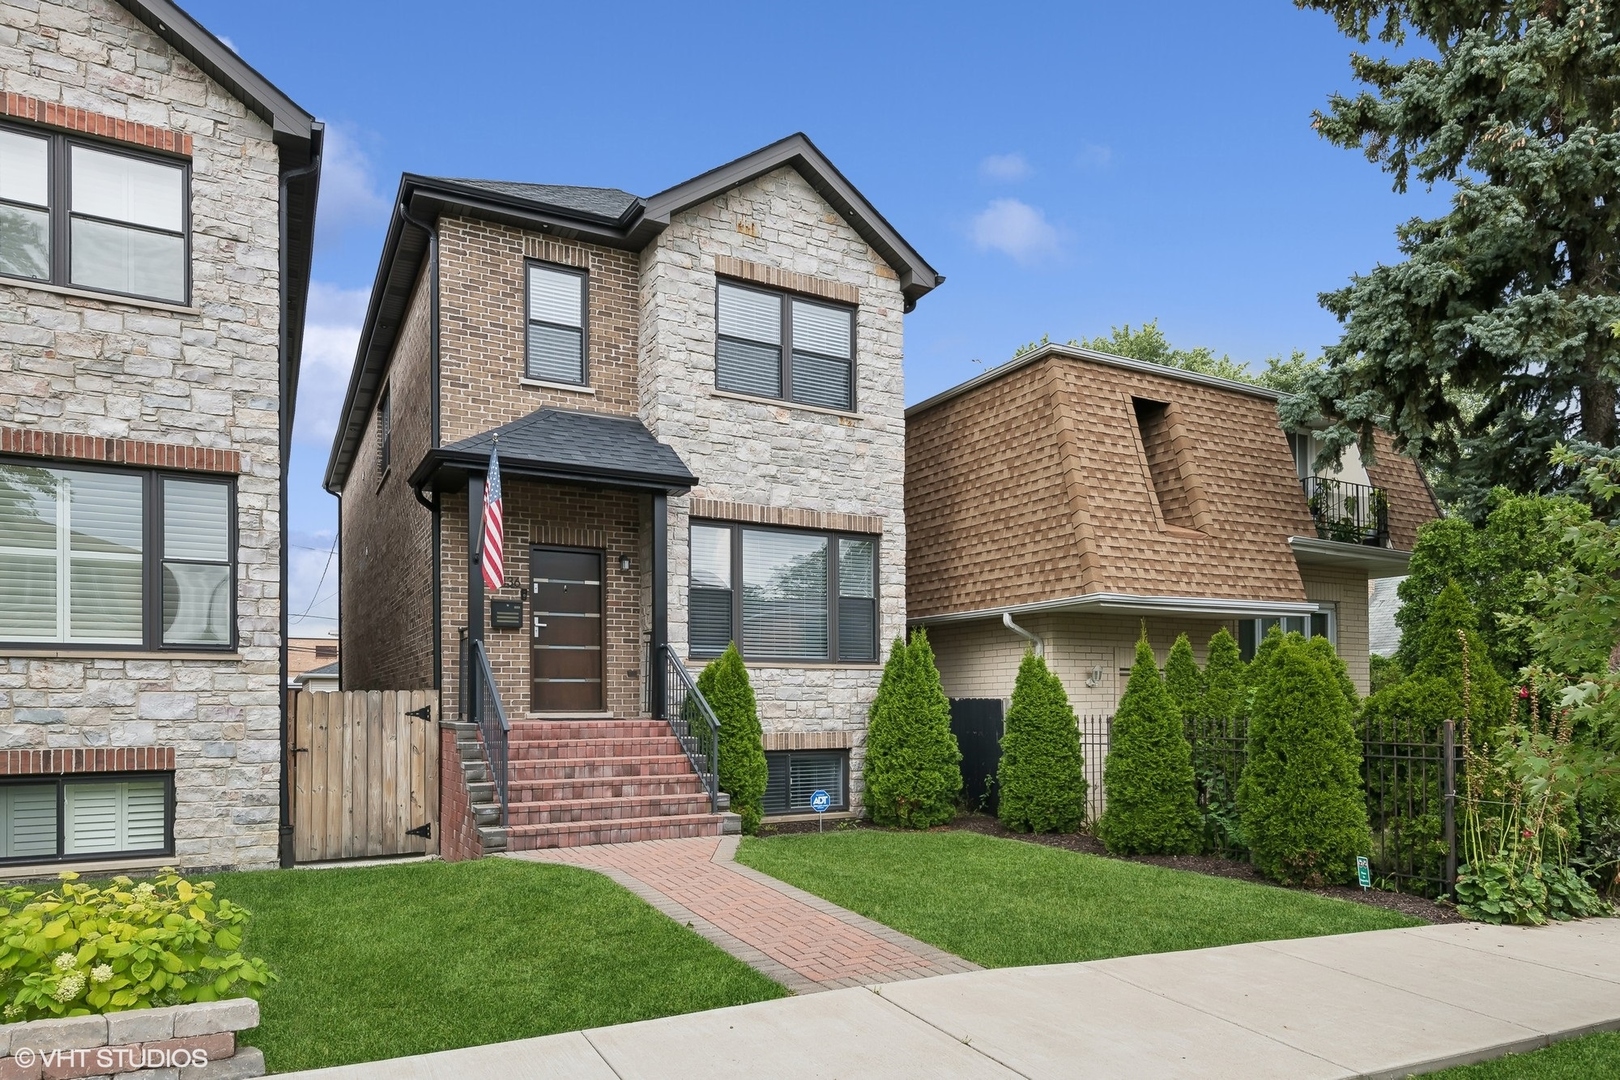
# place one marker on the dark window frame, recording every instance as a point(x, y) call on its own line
point(529, 266)
point(785, 346)
point(1251, 632)
point(62, 781)
point(843, 757)
point(60, 212)
point(152, 559)
point(736, 529)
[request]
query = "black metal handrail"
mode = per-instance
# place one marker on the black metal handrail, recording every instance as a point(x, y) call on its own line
point(1348, 513)
point(484, 702)
point(672, 695)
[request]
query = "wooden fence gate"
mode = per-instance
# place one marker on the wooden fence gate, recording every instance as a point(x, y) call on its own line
point(365, 769)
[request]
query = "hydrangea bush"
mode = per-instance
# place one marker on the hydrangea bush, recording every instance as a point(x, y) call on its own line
point(79, 949)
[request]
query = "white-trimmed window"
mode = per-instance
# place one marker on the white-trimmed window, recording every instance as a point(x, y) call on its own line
point(776, 345)
point(782, 594)
point(1322, 624)
point(86, 817)
point(555, 314)
point(93, 216)
point(117, 558)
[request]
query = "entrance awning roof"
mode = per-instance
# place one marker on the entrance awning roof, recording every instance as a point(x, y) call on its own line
point(561, 444)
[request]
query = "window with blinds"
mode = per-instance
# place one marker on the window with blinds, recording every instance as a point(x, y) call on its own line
point(782, 594)
point(556, 325)
point(757, 330)
point(793, 776)
point(77, 564)
point(85, 817)
point(86, 215)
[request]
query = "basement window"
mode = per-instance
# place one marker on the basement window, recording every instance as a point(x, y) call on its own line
point(86, 817)
point(793, 776)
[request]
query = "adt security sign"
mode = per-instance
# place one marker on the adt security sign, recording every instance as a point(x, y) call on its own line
point(820, 802)
point(1363, 871)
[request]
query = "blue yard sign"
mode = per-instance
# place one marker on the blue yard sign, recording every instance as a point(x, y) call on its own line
point(1363, 871)
point(820, 802)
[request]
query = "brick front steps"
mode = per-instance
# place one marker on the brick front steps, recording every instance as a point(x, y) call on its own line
point(590, 781)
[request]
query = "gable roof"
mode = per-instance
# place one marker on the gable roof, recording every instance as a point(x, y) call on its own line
point(606, 216)
point(1032, 485)
point(562, 444)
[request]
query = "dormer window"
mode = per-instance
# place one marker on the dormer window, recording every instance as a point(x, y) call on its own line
point(556, 325)
point(775, 345)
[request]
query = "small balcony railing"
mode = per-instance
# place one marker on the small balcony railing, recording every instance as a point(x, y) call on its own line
point(1348, 513)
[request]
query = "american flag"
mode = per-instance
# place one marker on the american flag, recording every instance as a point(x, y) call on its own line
point(494, 566)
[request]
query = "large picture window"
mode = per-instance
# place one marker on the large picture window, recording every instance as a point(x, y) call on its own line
point(1251, 632)
point(86, 817)
point(115, 558)
point(783, 594)
point(775, 345)
point(556, 325)
point(90, 216)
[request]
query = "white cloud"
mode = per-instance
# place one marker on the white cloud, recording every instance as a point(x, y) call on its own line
point(312, 584)
point(1004, 167)
point(331, 334)
point(1094, 156)
point(1017, 229)
point(349, 194)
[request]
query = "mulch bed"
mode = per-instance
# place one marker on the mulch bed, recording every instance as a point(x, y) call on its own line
point(1214, 865)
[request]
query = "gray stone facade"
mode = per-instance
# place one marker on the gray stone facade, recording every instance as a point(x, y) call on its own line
point(200, 375)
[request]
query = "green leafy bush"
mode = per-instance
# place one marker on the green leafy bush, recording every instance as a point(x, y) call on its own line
point(1225, 687)
point(1433, 692)
point(1216, 726)
point(1182, 677)
point(1383, 672)
point(1042, 775)
point(1151, 806)
point(80, 949)
point(743, 773)
point(1304, 814)
point(913, 771)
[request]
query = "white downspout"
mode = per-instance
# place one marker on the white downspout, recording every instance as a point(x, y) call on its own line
point(1007, 621)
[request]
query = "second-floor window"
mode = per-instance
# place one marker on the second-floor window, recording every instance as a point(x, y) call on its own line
point(774, 345)
point(783, 594)
point(556, 325)
point(115, 558)
point(80, 214)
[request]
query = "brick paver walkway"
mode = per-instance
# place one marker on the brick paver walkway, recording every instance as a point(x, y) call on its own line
point(800, 940)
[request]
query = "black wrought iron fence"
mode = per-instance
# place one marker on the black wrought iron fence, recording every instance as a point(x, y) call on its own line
point(674, 696)
point(1096, 735)
point(483, 702)
point(1220, 750)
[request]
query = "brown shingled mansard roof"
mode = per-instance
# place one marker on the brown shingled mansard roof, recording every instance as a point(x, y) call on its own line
point(1033, 484)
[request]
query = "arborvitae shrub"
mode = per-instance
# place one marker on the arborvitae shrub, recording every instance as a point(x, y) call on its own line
point(1433, 692)
point(1148, 782)
point(1224, 681)
point(1042, 776)
point(1217, 745)
point(913, 770)
point(1183, 679)
point(724, 682)
point(1304, 815)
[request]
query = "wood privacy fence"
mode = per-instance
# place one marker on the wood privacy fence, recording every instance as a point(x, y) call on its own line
point(365, 767)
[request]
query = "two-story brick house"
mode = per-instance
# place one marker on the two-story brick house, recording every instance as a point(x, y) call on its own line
point(157, 202)
point(697, 399)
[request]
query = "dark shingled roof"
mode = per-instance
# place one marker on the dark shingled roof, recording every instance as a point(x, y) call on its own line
point(609, 204)
point(567, 445)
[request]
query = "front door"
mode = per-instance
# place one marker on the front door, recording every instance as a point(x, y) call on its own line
point(565, 630)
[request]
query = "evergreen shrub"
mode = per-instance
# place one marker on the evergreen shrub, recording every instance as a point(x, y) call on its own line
point(1042, 776)
point(913, 770)
point(743, 773)
point(1150, 806)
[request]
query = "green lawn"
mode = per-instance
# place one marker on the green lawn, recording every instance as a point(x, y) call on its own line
point(1585, 1058)
point(1002, 903)
point(385, 961)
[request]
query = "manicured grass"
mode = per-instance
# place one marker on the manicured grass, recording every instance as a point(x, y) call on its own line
point(379, 962)
point(1002, 903)
point(1585, 1058)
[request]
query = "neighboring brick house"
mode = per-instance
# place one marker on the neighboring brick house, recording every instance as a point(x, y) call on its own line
point(157, 201)
point(698, 401)
point(1071, 498)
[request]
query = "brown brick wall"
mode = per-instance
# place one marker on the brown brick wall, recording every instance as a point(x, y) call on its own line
point(458, 832)
point(57, 444)
point(57, 115)
point(565, 515)
point(59, 762)
point(481, 318)
point(1013, 487)
point(387, 536)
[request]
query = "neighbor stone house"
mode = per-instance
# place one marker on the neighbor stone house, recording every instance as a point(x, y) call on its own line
point(1070, 501)
point(157, 201)
point(697, 401)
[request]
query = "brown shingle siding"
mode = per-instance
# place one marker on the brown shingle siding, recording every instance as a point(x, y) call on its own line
point(1411, 502)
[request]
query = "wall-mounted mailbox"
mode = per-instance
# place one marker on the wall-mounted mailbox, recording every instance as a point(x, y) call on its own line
point(505, 614)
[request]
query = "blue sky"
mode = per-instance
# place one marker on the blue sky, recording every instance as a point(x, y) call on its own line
point(1068, 167)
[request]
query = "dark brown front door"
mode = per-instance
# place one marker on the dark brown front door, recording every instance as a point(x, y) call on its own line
point(566, 630)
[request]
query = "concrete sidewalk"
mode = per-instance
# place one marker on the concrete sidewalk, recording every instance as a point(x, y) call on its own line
point(1383, 1004)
